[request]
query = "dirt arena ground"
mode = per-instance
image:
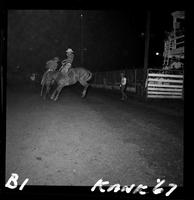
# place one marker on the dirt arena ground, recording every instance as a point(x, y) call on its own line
point(78, 141)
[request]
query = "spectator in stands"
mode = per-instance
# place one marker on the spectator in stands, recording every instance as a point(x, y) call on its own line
point(177, 64)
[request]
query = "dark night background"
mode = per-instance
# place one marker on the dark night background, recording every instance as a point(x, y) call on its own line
point(112, 39)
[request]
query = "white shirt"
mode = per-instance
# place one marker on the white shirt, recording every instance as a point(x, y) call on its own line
point(123, 81)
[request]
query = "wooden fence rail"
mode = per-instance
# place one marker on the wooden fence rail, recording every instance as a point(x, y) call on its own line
point(112, 79)
point(165, 84)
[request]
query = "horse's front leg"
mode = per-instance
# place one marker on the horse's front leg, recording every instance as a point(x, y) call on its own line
point(42, 89)
point(47, 91)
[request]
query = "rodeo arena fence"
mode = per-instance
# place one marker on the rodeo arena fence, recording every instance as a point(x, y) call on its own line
point(111, 80)
point(165, 84)
point(159, 83)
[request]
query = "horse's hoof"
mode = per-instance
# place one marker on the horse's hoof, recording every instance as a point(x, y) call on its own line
point(83, 95)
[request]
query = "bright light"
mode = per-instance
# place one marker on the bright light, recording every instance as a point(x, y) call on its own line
point(157, 53)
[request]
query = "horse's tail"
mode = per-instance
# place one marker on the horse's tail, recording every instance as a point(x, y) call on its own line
point(89, 75)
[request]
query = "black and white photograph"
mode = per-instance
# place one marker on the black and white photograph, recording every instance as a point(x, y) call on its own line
point(95, 98)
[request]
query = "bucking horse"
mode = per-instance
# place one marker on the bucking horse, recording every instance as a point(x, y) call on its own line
point(73, 76)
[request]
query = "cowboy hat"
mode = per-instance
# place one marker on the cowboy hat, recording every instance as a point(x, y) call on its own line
point(69, 50)
point(56, 58)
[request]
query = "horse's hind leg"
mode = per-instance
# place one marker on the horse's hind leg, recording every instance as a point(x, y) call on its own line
point(84, 91)
point(59, 88)
point(56, 92)
point(53, 94)
point(85, 84)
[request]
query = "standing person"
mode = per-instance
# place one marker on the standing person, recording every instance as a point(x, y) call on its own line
point(67, 63)
point(123, 86)
point(177, 64)
point(33, 77)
